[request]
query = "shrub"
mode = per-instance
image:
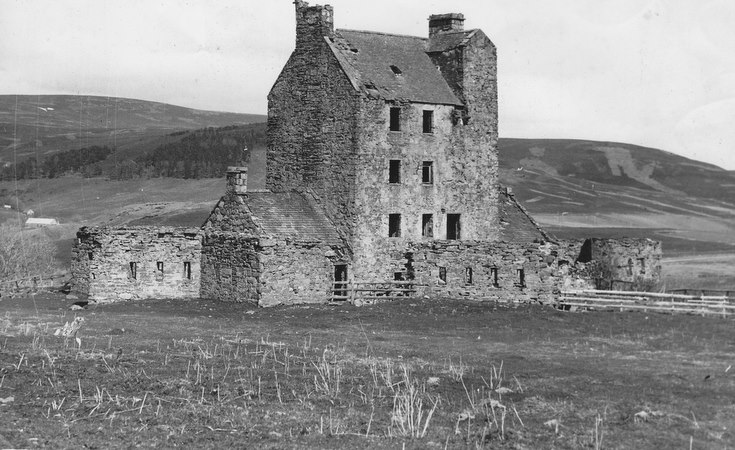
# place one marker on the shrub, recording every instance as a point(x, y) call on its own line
point(24, 253)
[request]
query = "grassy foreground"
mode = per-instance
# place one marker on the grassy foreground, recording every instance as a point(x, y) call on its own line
point(425, 374)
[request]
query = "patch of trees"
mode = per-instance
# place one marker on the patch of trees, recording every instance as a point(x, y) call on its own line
point(204, 153)
point(83, 160)
point(199, 154)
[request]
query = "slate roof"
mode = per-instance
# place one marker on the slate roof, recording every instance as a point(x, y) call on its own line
point(366, 57)
point(290, 215)
point(447, 41)
point(516, 224)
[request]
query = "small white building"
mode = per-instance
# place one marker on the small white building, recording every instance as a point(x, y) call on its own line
point(40, 222)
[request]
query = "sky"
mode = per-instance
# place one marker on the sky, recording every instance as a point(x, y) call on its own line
point(657, 73)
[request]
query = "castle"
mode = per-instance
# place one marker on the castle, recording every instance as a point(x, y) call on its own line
point(382, 169)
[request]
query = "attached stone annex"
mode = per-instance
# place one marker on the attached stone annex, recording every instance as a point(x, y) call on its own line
point(382, 170)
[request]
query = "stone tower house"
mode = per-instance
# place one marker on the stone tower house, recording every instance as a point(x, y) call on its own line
point(382, 165)
point(394, 136)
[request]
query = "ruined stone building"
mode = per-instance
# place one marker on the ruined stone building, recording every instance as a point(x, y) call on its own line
point(382, 165)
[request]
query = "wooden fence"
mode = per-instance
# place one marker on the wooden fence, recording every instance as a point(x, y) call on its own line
point(719, 305)
point(372, 292)
point(32, 284)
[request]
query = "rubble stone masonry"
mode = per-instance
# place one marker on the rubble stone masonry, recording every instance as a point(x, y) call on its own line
point(137, 262)
point(266, 272)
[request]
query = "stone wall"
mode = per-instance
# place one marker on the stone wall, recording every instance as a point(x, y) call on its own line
point(296, 273)
point(230, 267)
point(491, 270)
point(266, 272)
point(312, 126)
point(137, 262)
point(462, 148)
point(231, 214)
point(632, 260)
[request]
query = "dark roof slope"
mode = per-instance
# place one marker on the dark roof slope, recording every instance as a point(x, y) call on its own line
point(290, 215)
point(367, 57)
point(516, 224)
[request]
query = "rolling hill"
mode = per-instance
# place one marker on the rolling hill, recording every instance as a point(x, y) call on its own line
point(575, 188)
point(32, 125)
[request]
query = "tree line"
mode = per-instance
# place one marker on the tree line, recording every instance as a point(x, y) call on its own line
point(204, 153)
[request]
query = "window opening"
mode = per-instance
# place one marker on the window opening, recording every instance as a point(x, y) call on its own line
point(521, 277)
point(453, 226)
point(396, 70)
point(427, 225)
point(159, 266)
point(187, 270)
point(134, 270)
point(494, 276)
point(394, 225)
point(90, 255)
point(630, 267)
point(427, 172)
point(468, 275)
point(642, 264)
point(394, 171)
point(395, 119)
point(428, 121)
point(443, 274)
point(398, 276)
point(585, 253)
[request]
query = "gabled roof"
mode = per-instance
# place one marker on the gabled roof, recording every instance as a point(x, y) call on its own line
point(516, 224)
point(366, 57)
point(290, 216)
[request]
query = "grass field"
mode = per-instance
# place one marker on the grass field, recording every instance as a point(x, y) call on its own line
point(426, 374)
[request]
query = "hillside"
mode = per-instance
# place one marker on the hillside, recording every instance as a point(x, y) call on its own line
point(573, 187)
point(43, 124)
point(601, 189)
point(589, 163)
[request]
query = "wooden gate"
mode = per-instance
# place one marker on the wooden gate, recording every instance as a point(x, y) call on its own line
point(372, 292)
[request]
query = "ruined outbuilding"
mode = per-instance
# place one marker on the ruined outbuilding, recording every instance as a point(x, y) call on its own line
point(382, 167)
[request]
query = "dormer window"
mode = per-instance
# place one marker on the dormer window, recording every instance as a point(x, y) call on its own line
point(396, 70)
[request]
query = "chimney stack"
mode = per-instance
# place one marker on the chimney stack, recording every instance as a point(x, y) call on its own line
point(237, 180)
point(313, 22)
point(445, 23)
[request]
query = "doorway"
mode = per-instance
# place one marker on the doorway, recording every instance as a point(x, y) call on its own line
point(340, 280)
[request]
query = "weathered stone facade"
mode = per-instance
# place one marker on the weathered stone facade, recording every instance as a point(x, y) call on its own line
point(366, 124)
point(137, 262)
point(382, 165)
point(629, 260)
point(500, 271)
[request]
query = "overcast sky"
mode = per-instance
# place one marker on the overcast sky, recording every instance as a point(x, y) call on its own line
point(658, 73)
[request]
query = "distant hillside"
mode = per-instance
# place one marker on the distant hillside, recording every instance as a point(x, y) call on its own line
point(615, 164)
point(41, 125)
point(602, 189)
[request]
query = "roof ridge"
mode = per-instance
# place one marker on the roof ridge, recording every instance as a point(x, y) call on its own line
point(384, 34)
